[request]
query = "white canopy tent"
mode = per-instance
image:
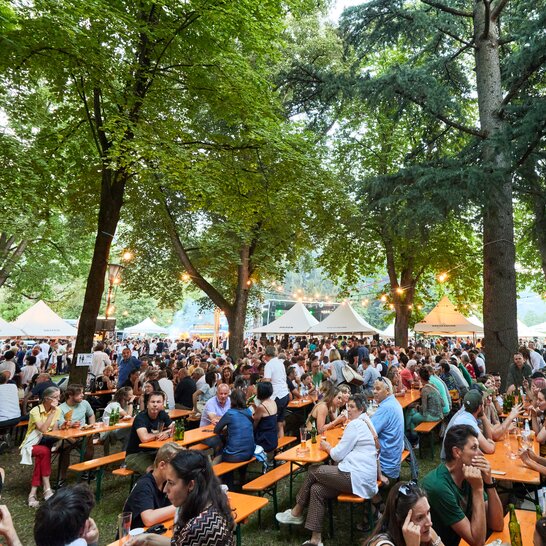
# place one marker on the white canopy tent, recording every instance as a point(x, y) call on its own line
point(147, 326)
point(9, 330)
point(41, 321)
point(343, 320)
point(525, 331)
point(388, 332)
point(445, 320)
point(540, 328)
point(297, 320)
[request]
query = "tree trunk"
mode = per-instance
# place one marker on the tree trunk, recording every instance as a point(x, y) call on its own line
point(111, 202)
point(499, 275)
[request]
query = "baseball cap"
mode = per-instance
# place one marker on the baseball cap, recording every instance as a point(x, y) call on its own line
point(472, 400)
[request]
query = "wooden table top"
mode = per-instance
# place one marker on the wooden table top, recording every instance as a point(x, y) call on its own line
point(300, 403)
point(315, 454)
point(242, 507)
point(526, 519)
point(409, 397)
point(193, 436)
point(99, 393)
point(515, 470)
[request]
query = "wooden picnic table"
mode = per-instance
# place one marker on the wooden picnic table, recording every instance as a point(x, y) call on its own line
point(409, 397)
point(100, 393)
point(300, 403)
point(526, 519)
point(193, 436)
point(242, 506)
point(513, 469)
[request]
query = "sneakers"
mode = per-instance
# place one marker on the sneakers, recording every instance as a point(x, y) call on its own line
point(288, 518)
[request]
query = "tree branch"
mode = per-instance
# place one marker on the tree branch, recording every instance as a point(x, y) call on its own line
point(447, 9)
point(497, 10)
point(520, 82)
point(534, 143)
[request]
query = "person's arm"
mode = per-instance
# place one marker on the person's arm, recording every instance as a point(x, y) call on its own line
point(43, 426)
point(487, 429)
point(473, 530)
point(494, 511)
point(90, 414)
point(151, 517)
point(7, 529)
point(145, 436)
point(533, 461)
point(195, 397)
point(257, 415)
point(224, 421)
point(149, 539)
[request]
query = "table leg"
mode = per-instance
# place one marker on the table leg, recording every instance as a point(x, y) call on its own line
point(59, 465)
point(238, 534)
point(291, 478)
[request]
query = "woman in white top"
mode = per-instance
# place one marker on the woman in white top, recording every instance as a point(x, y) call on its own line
point(356, 472)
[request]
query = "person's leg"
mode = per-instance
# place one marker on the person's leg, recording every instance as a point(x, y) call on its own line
point(64, 458)
point(140, 462)
point(42, 461)
point(415, 419)
point(304, 494)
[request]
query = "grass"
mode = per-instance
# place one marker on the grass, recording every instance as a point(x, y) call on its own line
point(115, 491)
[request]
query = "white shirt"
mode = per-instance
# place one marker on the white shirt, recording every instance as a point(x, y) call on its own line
point(8, 365)
point(9, 402)
point(153, 347)
point(27, 373)
point(537, 362)
point(276, 372)
point(99, 362)
point(44, 347)
point(167, 387)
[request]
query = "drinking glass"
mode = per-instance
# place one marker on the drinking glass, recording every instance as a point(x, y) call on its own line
point(161, 426)
point(303, 436)
point(124, 526)
point(514, 443)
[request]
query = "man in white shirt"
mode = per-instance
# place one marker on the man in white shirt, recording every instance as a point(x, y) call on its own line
point(197, 345)
point(535, 358)
point(167, 387)
point(275, 373)
point(8, 365)
point(100, 360)
point(10, 411)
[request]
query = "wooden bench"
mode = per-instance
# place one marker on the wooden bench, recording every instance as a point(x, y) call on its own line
point(223, 468)
point(353, 499)
point(266, 484)
point(424, 428)
point(98, 464)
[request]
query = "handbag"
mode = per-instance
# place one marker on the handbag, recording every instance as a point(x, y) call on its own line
point(351, 376)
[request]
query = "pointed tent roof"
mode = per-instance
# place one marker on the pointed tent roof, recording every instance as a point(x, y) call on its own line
point(147, 326)
point(528, 331)
point(9, 330)
point(41, 321)
point(445, 320)
point(297, 320)
point(540, 328)
point(343, 320)
point(388, 332)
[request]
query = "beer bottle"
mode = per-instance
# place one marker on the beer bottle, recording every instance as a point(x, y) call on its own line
point(111, 418)
point(181, 430)
point(538, 511)
point(514, 528)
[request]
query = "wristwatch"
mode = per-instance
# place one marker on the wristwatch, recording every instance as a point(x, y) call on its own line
point(492, 485)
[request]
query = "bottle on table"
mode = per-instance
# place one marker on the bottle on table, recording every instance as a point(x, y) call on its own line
point(538, 511)
point(314, 433)
point(514, 528)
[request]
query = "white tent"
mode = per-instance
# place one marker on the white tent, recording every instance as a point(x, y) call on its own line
point(9, 330)
point(528, 331)
point(388, 332)
point(41, 321)
point(147, 326)
point(540, 328)
point(297, 320)
point(343, 320)
point(445, 320)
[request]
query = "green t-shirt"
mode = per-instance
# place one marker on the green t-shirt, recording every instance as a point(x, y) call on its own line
point(448, 503)
point(80, 412)
point(317, 378)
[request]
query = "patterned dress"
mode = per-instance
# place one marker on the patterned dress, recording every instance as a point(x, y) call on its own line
point(209, 528)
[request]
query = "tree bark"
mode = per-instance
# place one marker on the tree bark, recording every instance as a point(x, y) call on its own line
point(111, 201)
point(499, 275)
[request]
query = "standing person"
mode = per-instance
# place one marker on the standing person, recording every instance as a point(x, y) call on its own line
point(275, 373)
point(147, 501)
point(74, 410)
point(126, 365)
point(146, 428)
point(356, 473)
point(204, 515)
point(100, 360)
point(42, 418)
point(406, 520)
point(462, 493)
point(388, 421)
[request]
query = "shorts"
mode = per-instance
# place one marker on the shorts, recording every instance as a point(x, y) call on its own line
point(282, 404)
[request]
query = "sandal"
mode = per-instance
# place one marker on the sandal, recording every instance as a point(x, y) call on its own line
point(48, 493)
point(33, 501)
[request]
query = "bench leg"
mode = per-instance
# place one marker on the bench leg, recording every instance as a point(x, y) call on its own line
point(99, 475)
point(238, 534)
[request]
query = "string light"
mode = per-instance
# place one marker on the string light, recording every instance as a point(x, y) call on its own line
point(383, 298)
point(185, 277)
point(391, 306)
point(127, 255)
point(442, 277)
point(399, 290)
point(419, 307)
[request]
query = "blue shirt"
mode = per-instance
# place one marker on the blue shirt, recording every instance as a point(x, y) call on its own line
point(240, 434)
point(126, 367)
point(388, 421)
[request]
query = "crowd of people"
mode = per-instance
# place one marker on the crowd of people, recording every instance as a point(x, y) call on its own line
point(247, 404)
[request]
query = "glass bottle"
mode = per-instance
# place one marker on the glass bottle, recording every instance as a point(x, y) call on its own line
point(314, 433)
point(514, 528)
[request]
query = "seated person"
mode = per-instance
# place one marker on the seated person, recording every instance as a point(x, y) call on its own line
point(265, 417)
point(216, 407)
point(152, 424)
point(323, 415)
point(123, 402)
point(462, 494)
point(147, 501)
point(406, 520)
point(75, 412)
point(431, 404)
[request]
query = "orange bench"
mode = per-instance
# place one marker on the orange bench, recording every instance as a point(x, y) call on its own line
point(224, 467)
point(424, 428)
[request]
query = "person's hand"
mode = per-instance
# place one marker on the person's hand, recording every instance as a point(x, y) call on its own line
point(90, 532)
point(411, 531)
point(473, 476)
point(515, 411)
point(140, 540)
point(6, 526)
point(479, 461)
point(325, 446)
point(164, 435)
point(525, 456)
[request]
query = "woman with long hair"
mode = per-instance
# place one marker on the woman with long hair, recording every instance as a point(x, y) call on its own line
point(203, 514)
point(406, 520)
point(265, 417)
point(323, 415)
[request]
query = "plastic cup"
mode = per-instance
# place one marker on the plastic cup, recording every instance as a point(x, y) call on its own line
point(124, 526)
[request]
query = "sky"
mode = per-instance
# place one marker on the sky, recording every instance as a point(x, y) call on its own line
point(339, 6)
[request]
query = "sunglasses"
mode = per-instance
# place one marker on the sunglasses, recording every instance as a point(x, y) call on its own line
point(408, 488)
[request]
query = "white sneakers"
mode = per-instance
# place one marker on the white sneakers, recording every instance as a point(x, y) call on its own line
point(288, 518)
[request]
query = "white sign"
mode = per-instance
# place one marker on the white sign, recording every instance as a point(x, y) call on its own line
point(84, 359)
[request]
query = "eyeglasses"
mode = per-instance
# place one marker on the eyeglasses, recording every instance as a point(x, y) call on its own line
point(408, 488)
